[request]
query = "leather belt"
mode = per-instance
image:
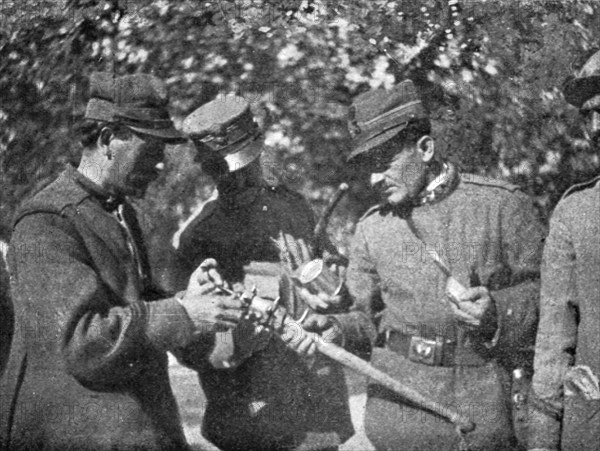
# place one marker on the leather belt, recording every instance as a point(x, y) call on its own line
point(436, 351)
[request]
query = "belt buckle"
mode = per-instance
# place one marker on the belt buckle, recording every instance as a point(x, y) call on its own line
point(428, 352)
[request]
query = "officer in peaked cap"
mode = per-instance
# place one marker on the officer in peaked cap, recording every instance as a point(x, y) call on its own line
point(268, 398)
point(225, 127)
point(487, 235)
point(566, 396)
point(88, 362)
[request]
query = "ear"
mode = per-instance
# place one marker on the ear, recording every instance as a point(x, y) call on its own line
point(426, 146)
point(104, 137)
point(103, 143)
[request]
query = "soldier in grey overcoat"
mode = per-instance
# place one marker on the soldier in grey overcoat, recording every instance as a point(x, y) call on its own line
point(443, 276)
point(565, 405)
point(88, 363)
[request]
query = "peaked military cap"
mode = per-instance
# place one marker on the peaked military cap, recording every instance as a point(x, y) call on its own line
point(138, 101)
point(586, 85)
point(376, 116)
point(227, 128)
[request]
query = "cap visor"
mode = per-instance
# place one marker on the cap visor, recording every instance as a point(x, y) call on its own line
point(245, 156)
point(367, 144)
point(168, 135)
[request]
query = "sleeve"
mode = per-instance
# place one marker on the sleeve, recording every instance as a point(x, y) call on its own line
point(103, 339)
point(516, 295)
point(357, 325)
point(556, 336)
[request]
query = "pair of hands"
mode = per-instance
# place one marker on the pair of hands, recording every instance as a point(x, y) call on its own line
point(212, 309)
point(207, 303)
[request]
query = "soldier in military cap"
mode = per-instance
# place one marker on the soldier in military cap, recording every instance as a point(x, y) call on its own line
point(261, 394)
point(565, 405)
point(443, 278)
point(88, 363)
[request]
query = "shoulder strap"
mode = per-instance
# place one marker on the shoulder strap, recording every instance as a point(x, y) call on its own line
point(435, 257)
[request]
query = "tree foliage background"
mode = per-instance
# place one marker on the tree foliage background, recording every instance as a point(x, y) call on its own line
point(490, 70)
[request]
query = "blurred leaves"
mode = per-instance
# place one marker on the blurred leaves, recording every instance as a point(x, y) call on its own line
point(491, 72)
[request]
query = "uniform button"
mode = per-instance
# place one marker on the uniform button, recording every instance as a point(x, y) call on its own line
point(264, 208)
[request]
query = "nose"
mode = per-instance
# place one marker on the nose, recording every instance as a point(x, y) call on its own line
point(376, 177)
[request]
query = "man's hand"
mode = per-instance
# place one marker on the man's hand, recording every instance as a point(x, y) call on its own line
point(235, 346)
point(319, 302)
point(302, 337)
point(209, 311)
point(206, 273)
point(472, 305)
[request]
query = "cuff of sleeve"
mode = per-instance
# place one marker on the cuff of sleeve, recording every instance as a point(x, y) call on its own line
point(168, 325)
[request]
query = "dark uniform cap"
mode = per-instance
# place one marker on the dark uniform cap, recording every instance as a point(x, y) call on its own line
point(377, 116)
point(137, 101)
point(226, 127)
point(578, 90)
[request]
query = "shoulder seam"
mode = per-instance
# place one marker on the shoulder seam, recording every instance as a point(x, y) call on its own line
point(370, 211)
point(580, 186)
point(484, 181)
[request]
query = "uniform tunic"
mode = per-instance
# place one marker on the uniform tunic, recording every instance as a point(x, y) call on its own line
point(488, 233)
point(88, 367)
point(273, 400)
point(569, 328)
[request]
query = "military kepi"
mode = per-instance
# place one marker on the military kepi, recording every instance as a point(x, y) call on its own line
point(378, 115)
point(225, 126)
point(138, 101)
point(585, 87)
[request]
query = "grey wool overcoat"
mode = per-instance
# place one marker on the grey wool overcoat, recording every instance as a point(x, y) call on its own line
point(88, 367)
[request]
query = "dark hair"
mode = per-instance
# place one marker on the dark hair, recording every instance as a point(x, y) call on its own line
point(388, 149)
point(89, 130)
point(413, 131)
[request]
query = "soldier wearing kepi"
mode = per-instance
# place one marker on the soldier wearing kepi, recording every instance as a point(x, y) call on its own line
point(565, 405)
point(259, 396)
point(88, 362)
point(485, 236)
